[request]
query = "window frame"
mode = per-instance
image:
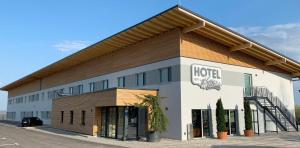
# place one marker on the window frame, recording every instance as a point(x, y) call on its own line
point(119, 82)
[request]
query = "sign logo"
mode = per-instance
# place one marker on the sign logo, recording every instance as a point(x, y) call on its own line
point(206, 77)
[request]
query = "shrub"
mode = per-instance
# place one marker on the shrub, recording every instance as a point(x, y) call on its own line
point(220, 113)
point(248, 115)
point(157, 118)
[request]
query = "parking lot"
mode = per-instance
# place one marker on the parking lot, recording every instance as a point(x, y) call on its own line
point(16, 137)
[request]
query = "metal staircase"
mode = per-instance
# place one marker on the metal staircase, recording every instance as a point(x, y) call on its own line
point(273, 106)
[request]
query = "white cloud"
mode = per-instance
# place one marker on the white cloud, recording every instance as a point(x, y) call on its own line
point(284, 38)
point(1, 84)
point(70, 46)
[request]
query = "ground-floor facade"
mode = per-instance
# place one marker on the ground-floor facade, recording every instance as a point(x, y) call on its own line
point(189, 105)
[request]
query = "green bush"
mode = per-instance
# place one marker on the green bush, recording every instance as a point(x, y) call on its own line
point(220, 113)
point(298, 113)
point(157, 118)
point(248, 115)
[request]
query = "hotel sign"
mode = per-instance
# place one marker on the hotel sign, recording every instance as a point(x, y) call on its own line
point(206, 77)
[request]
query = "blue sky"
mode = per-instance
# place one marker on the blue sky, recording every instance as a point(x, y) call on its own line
point(36, 33)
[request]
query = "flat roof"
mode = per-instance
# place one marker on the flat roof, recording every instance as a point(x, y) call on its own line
point(175, 17)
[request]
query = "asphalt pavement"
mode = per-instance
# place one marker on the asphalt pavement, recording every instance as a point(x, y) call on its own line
point(12, 136)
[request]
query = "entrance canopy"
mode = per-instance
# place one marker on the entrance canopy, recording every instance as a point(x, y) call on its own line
point(82, 113)
point(109, 97)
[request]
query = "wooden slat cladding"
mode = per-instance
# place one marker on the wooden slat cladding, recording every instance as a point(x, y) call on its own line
point(199, 47)
point(156, 49)
point(90, 103)
point(162, 47)
point(29, 87)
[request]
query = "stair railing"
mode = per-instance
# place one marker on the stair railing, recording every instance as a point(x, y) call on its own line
point(263, 92)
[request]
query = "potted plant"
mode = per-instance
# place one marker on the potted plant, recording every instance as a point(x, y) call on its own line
point(157, 119)
point(221, 123)
point(248, 120)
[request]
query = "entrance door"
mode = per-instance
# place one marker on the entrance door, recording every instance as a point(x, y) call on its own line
point(201, 124)
point(112, 122)
point(196, 118)
point(132, 122)
point(231, 119)
point(205, 123)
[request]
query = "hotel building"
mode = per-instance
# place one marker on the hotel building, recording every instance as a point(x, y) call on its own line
point(189, 60)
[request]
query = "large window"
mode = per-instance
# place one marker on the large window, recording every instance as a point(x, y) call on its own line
point(165, 75)
point(105, 84)
point(121, 82)
point(83, 117)
point(11, 115)
point(71, 117)
point(248, 84)
point(76, 90)
point(45, 115)
point(141, 79)
point(92, 87)
point(33, 98)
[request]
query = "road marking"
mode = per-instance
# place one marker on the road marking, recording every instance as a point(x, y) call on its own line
point(17, 144)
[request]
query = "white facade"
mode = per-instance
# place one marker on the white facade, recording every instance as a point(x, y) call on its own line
point(181, 95)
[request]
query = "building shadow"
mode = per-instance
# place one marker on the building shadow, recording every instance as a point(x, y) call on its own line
point(235, 146)
point(59, 131)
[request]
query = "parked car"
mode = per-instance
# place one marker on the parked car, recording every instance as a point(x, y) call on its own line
point(31, 121)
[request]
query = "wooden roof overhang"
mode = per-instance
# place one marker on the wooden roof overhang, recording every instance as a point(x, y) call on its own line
point(175, 17)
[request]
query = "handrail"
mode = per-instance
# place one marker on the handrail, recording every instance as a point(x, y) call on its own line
point(263, 92)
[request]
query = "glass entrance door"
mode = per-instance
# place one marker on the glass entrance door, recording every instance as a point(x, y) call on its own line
point(205, 123)
point(132, 122)
point(201, 124)
point(196, 119)
point(231, 123)
point(112, 122)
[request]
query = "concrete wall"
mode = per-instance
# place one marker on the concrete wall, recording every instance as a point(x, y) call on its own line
point(231, 93)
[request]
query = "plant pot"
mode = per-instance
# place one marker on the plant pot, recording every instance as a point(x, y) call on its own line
point(248, 133)
point(153, 137)
point(222, 135)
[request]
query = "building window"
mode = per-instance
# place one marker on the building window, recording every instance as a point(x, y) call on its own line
point(71, 90)
point(33, 98)
point(76, 90)
point(43, 96)
point(50, 95)
point(165, 75)
point(11, 115)
point(45, 115)
point(105, 84)
point(62, 117)
point(121, 82)
point(83, 117)
point(92, 86)
point(19, 100)
point(80, 89)
point(71, 117)
point(9, 101)
point(141, 79)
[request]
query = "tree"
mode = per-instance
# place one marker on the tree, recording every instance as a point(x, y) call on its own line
point(157, 119)
point(220, 113)
point(248, 115)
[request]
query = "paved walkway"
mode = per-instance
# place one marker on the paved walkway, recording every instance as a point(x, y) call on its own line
point(284, 139)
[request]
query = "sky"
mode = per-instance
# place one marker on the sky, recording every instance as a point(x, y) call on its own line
point(34, 33)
